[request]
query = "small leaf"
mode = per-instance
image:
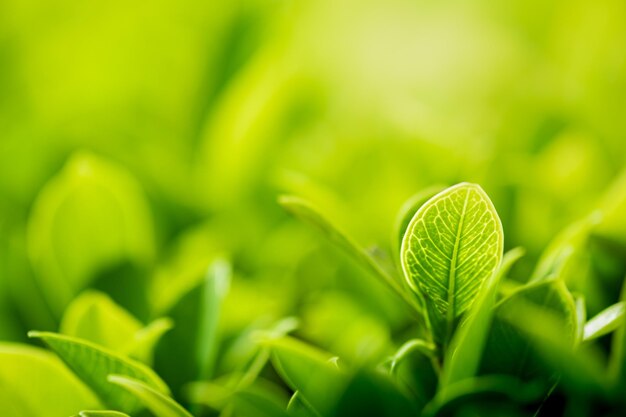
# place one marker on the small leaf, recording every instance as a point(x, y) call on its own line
point(157, 402)
point(617, 360)
point(414, 345)
point(35, 383)
point(308, 371)
point(465, 352)
point(304, 211)
point(216, 286)
point(509, 350)
point(605, 322)
point(260, 401)
point(452, 245)
point(102, 413)
point(92, 364)
point(373, 394)
point(91, 216)
point(193, 342)
point(512, 390)
point(94, 317)
point(581, 317)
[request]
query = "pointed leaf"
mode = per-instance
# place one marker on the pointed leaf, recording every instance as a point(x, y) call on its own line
point(605, 322)
point(91, 216)
point(33, 382)
point(157, 402)
point(452, 245)
point(307, 370)
point(93, 363)
point(508, 349)
point(93, 316)
point(194, 340)
point(102, 413)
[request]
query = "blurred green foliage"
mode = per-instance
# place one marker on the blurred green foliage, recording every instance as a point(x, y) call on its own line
point(141, 142)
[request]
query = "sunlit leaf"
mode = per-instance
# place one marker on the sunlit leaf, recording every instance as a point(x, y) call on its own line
point(101, 413)
point(92, 364)
point(160, 404)
point(307, 370)
point(93, 316)
point(34, 382)
point(195, 338)
point(93, 215)
point(452, 245)
point(605, 322)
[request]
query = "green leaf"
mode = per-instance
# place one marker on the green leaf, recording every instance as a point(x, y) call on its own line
point(373, 394)
point(92, 364)
point(512, 390)
point(216, 286)
point(617, 360)
point(414, 345)
point(463, 357)
point(34, 382)
point(102, 413)
point(581, 317)
point(605, 322)
point(509, 349)
point(157, 402)
point(304, 211)
point(308, 371)
point(195, 338)
point(93, 215)
point(260, 401)
point(452, 245)
point(93, 316)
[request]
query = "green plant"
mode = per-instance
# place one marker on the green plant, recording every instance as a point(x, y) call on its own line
point(481, 342)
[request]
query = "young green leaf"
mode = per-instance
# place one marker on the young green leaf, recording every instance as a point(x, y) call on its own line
point(452, 245)
point(93, 363)
point(94, 317)
point(33, 382)
point(414, 345)
point(102, 413)
point(194, 339)
point(373, 394)
point(511, 389)
point(463, 357)
point(605, 322)
point(308, 371)
point(91, 216)
point(509, 349)
point(157, 402)
point(304, 211)
point(617, 360)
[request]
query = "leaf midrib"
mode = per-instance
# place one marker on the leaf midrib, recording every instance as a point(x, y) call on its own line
point(452, 272)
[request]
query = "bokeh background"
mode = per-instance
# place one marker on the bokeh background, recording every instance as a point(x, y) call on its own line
point(138, 140)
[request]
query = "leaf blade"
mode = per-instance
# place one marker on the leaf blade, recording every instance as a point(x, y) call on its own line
point(157, 402)
point(92, 364)
point(453, 243)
